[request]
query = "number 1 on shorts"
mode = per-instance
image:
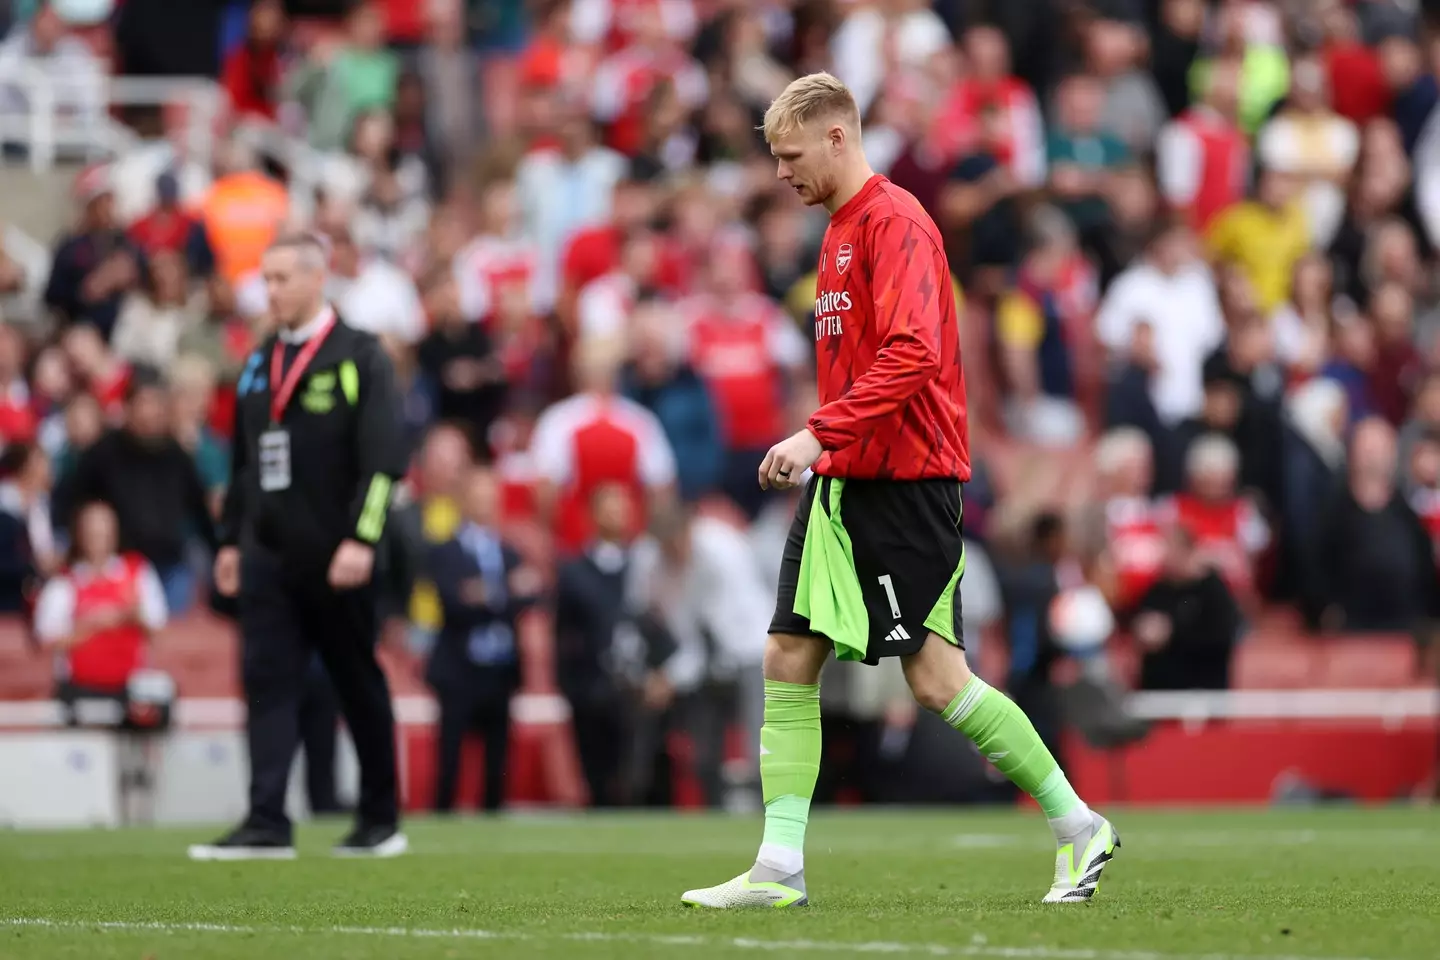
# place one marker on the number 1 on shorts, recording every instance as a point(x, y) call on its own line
point(889, 586)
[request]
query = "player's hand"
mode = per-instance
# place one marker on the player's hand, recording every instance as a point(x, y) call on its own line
point(788, 459)
point(352, 565)
point(227, 571)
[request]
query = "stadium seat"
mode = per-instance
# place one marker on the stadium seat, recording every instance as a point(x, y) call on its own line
point(1379, 662)
point(1270, 665)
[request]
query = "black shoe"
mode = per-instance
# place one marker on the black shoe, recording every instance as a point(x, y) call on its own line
point(247, 843)
point(373, 841)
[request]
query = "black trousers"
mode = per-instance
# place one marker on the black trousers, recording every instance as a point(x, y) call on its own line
point(488, 714)
point(287, 616)
point(601, 735)
point(319, 717)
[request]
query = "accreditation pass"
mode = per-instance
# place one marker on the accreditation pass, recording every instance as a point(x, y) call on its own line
point(275, 460)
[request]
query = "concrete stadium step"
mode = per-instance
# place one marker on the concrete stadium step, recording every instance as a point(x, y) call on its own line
point(38, 203)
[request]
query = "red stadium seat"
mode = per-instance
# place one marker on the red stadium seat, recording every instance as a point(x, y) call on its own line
point(1379, 662)
point(1261, 665)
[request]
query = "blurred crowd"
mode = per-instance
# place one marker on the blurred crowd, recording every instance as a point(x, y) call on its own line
point(1196, 242)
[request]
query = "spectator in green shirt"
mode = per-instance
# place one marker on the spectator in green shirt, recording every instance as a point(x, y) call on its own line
point(1082, 158)
point(1264, 66)
point(342, 81)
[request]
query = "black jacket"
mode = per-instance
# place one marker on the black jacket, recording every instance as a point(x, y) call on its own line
point(1204, 625)
point(1377, 567)
point(154, 490)
point(453, 668)
point(346, 451)
point(595, 672)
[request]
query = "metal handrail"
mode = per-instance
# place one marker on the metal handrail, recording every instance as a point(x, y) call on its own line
point(44, 130)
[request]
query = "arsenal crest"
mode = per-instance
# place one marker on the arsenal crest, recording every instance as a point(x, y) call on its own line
point(842, 258)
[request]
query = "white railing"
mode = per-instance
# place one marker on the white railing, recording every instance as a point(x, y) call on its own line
point(54, 116)
point(1195, 708)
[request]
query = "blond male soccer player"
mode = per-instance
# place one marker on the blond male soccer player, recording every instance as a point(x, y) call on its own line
point(874, 556)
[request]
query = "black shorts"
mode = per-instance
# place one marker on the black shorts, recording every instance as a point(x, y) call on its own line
point(905, 539)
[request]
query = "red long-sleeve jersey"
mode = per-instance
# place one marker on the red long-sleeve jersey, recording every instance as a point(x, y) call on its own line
point(887, 344)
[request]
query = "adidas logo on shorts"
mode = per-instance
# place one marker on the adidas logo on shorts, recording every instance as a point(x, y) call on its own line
point(897, 634)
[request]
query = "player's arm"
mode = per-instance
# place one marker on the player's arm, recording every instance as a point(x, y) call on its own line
point(908, 283)
point(381, 448)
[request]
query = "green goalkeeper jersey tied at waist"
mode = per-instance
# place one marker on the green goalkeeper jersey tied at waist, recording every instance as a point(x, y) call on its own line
point(828, 592)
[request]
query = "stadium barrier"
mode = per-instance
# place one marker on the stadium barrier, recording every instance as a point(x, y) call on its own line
point(1235, 747)
point(50, 128)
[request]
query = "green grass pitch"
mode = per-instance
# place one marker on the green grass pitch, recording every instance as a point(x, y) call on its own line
point(1338, 883)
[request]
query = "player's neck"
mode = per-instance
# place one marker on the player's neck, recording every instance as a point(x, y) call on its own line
point(851, 182)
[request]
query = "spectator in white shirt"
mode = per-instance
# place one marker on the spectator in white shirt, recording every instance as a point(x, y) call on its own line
point(561, 190)
point(603, 309)
point(699, 576)
point(1164, 313)
point(373, 294)
point(63, 63)
point(153, 318)
point(390, 221)
point(875, 37)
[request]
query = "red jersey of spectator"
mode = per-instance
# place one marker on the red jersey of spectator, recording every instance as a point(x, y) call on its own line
point(110, 390)
point(1358, 88)
point(107, 658)
point(487, 263)
point(957, 127)
point(619, 23)
point(1136, 542)
point(622, 84)
point(587, 441)
point(595, 251)
point(252, 79)
point(1204, 163)
point(887, 344)
point(1228, 532)
point(163, 229)
point(404, 21)
point(18, 421)
point(742, 348)
point(1426, 504)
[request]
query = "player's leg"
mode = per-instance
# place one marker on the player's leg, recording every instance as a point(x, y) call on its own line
point(789, 744)
point(789, 767)
point(943, 683)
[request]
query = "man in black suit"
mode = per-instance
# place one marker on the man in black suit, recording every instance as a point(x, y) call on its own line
point(607, 653)
point(475, 666)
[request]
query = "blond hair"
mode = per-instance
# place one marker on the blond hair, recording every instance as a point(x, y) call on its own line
point(814, 96)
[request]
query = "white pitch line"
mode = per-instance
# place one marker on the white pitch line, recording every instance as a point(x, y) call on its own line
point(977, 948)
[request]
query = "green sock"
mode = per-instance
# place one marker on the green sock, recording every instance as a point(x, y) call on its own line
point(1007, 739)
point(789, 764)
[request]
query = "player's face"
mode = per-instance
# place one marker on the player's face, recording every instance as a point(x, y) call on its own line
point(806, 160)
point(292, 284)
